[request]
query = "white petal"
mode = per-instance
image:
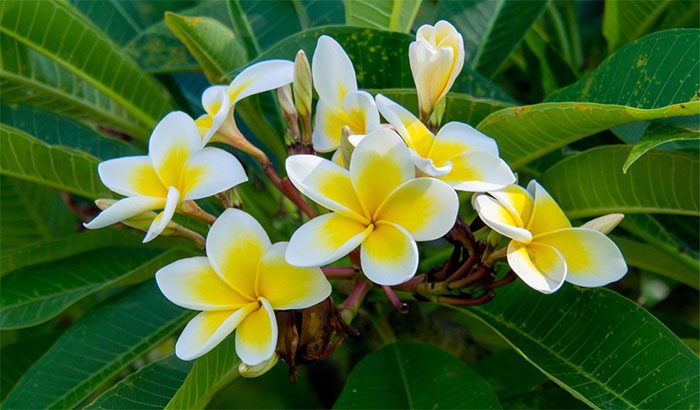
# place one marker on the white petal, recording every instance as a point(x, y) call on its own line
point(218, 106)
point(389, 255)
point(263, 76)
point(328, 127)
point(592, 259)
point(498, 217)
point(432, 71)
point(517, 200)
point(413, 132)
point(132, 176)
point(125, 209)
point(333, 73)
point(160, 222)
point(456, 138)
point(546, 216)
point(193, 284)
point(478, 171)
point(325, 239)
point(361, 104)
point(210, 171)
point(427, 167)
point(540, 266)
point(173, 141)
point(208, 329)
point(256, 336)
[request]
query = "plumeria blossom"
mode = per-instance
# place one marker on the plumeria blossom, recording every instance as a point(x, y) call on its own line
point(545, 250)
point(377, 204)
point(459, 155)
point(219, 100)
point(436, 58)
point(176, 169)
point(340, 103)
point(238, 286)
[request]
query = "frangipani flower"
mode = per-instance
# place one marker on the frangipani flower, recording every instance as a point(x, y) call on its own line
point(219, 100)
point(459, 155)
point(436, 58)
point(238, 285)
point(339, 102)
point(545, 250)
point(176, 169)
point(377, 203)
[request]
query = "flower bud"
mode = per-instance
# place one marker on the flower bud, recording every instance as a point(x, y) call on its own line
point(302, 84)
point(141, 221)
point(605, 223)
point(284, 96)
point(436, 57)
point(346, 147)
point(259, 369)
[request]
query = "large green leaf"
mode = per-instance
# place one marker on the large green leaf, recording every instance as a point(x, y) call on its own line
point(97, 347)
point(48, 26)
point(35, 294)
point(68, 169)
point(149, 388)
point(394, 15)
point(652, 72)
point(624, 21)
point(592, 183)
point(529, 132)
point(657, 135)
point(28, 77)
point(492, 29)
point(521, 377)
point(380, 59)
point(209, 374)
point(601, 347)
point(56, 129)
point(18, 357)
point(406, 375)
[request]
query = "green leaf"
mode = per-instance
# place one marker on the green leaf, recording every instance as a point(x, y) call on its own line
point(651, 230)
point(460, 107)
point(97, 347)
point(35, 294)
point(651, 258)
point(149, 388)
point(380, 59)
point(627, 21)
point(592, 183)
point(599, 346)
point(28, 77)
point(492, 29)
point(529, 132)
point(407, 375)
point(655, 71)
point(26, 157)
point(394, 15)
point(211, 43)
point(56, 129)
point(521, 377)
point(48, 25)
point(242, 28)
point(657, 135)
point(18, 357)
point(209, 374)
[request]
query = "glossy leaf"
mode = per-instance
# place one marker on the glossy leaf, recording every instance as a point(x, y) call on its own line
point(17, 357)
point(394, 15)
point(26, 157)
point(652, 72)
point(520, 378)
point(149, 388)
point(93, 57)
point(592, 183)
point(529, 132)
point(599, 346)
point(103, 342)
point(406, 375)
point(209, 374)
point(658, 135)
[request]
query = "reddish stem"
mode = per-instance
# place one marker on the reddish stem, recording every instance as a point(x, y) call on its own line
point(469, 280)
point(486, 297)
point(335, 272)
point(510, 277)
point(288, 190)
point(399, 305)
point(348, 309)
point(410, 285)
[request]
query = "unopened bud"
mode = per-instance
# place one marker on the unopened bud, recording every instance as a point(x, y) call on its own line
point(284, 96)
point(258, 370)
point(303, 84)
point(346, 147)
point(605, 223)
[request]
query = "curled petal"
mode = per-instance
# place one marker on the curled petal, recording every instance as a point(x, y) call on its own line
point(478, 171)
point(499, 218)
point(210, 171)
point(428, 167)
point(289, 287)
point(329, 123)
point(208, 329)
point(193, 284)
point(161, 221)
point(389, 255)
point(425, 207)
point(333, 73)
point(540, 266)
point(235, 245)
point(517, 200)
point(325, 239)
point(256, 336)
point(263, 76)
point(547, 216)
point(173, 141)
point(125, 209)
point(592, 259)
point(361, 109)
point(456, 138)
point(218, 106)
point(131, 176)
point(416, 135)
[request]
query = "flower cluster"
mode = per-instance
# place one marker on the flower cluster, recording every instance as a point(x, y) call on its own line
point(386, 187)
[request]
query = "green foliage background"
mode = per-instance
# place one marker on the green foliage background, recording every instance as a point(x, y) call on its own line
point(598, 101)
